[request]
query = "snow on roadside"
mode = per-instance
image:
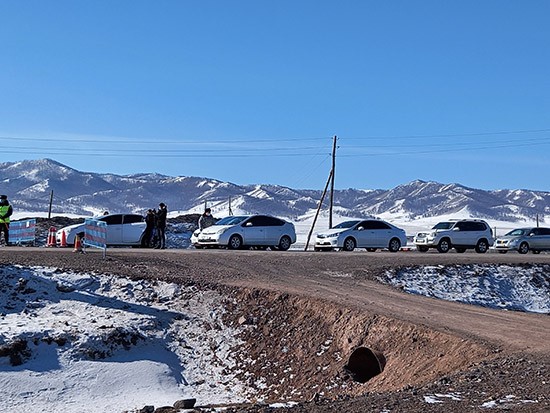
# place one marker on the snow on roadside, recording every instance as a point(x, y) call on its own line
point(95, 343)
point(520, 288)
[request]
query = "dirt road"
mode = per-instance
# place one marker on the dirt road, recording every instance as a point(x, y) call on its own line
point(336, 295)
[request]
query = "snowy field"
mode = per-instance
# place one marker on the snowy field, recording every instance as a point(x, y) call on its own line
point(525, 288)
point(92, 343)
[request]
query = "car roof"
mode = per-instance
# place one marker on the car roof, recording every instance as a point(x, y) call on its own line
point(114, 215)
point(464, 219)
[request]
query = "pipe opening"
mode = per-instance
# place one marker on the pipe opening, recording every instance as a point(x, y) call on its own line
point(364, 364)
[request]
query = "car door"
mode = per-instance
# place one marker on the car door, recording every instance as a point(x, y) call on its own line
point(274, 228)
point(133, 226)
point(114, 228)
point(365, 234)
point(461, 232)
point(383, 233)
point(254, 231)
point(545, 238)
point(535, 238)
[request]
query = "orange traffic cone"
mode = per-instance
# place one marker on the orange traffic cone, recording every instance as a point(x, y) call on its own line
point(51, 237)
point(63, 242)
point(77, 244)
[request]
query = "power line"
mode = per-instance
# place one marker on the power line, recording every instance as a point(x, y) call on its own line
point(452, 135)
point(203, 141)
point(521, 140)
point(163, 142)
point(423, 152)
point(153, 151)
point(279, 151)
point(166, 154)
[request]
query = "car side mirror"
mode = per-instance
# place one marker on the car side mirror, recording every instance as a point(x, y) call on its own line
point(248, 224)
point(360, 228)
point(532, 234)
point(456, 229)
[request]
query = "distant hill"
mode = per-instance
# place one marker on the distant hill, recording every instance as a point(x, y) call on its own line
point(29, 184)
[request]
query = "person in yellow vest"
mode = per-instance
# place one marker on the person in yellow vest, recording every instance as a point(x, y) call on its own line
point(5, 213)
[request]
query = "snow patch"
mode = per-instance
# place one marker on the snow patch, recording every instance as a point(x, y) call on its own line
point(97, 343)
point(496, 286)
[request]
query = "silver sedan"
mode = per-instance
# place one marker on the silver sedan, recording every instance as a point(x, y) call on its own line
point(370, 234)
point(523, 240)
point(259, 231)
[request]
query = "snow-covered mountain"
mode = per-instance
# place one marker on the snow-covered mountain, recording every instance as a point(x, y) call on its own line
point(28, 185)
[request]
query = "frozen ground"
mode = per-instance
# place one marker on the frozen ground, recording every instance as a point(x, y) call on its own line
point(93, 343)
point(524, 288)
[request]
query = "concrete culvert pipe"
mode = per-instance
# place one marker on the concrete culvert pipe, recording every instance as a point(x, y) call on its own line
point(364, 364)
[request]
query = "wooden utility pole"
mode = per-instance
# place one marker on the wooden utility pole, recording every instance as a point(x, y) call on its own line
point(51, 203)
point(332, 173)
point(537, 220)
point(318, 209)
point(230, 211)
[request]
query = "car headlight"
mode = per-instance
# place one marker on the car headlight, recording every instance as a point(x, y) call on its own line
point(337, 234)
point(220, 231)
point(513, 242)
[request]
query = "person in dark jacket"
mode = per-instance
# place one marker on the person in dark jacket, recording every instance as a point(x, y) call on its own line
point(206, 219)
point(161, 225)
point(5, 212)
point(149, 227)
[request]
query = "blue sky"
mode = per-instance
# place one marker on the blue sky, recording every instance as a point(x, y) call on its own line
point(253, 91)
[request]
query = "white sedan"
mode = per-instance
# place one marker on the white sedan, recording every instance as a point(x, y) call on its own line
point(261, 231)
point(370, 234)
point(122, 229)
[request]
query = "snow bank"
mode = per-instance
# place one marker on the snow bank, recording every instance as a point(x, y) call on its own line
point(94, 343)
point(525, 288)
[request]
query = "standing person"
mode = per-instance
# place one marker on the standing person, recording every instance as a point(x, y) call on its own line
point(161, 225)
point(149, 227)
point(5, 212)
point(206, 219)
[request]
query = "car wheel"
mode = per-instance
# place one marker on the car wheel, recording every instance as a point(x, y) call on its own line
point(349, 244)
point(460, 250)
point(235, 242)
point(444, 246)
point(482, 246)
point(285, 243)
point(523, 248)
point(422, 248)
point(395, 245)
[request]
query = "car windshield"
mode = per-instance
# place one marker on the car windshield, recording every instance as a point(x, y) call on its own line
point(346, 224)
point(444, 225)
point(230, 220)
point(517, 232)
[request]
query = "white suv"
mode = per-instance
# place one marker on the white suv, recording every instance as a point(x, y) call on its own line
point(458, 234)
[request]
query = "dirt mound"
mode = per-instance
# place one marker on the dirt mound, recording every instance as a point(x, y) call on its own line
point(296, 348)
